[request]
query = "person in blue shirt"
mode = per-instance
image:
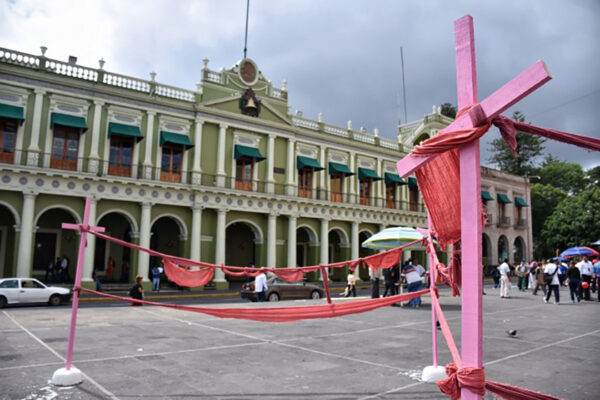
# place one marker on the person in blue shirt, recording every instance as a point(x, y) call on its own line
point(155, 279)
point(596, 276)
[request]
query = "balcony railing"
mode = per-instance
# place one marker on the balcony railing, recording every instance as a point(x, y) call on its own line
point(503, 221)
point(521, 223)
point(86, 166)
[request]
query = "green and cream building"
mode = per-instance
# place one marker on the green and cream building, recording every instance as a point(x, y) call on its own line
point(223, 174)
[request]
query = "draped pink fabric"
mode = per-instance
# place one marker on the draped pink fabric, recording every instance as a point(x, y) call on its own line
point(289, 274)
point(184, 277)
point(281, 314)
point(234, 271)
point(384, 260)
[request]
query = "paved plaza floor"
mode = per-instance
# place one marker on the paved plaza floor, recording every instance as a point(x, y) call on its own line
point(154, 352)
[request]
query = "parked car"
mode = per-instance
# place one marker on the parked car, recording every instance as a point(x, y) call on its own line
point(28, 290)
point(282, 290)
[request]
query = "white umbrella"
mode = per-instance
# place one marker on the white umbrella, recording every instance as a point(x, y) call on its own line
point(596, 243)
point(391, 238)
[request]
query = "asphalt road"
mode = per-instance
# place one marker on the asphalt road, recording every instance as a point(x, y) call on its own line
point(153, 352)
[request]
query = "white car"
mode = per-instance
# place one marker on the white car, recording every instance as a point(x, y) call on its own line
point(28, 290)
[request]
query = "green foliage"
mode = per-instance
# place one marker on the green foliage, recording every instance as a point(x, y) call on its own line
point(593, 175)
point(544, 199)
point(529, 147)
point(448, 110)
point(575, 221)
point(567, 176)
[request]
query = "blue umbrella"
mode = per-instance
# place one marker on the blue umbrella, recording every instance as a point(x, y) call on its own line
point(559, 258)
point(579, 251)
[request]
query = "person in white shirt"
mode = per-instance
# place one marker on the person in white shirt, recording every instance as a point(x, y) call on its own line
point(504, 270)
point(351, 285)
point(414, 279)
point(551, 270)
point(260, 286)
point(586, 269)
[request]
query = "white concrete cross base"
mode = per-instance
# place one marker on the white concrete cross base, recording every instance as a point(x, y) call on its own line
point(64, 377)
point(432, 374)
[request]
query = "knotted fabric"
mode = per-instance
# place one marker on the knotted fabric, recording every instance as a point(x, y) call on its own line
point(472, 378)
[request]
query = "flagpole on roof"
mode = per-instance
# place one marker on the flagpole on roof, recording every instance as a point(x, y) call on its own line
point(246, 36)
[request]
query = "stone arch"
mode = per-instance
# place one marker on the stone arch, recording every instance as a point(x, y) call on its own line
point(312, 234)
point(486, 251)
point(68, 209)
point(503, 248)
point(344, 240)
point(183, 231)
point(13, 210)
point(258, 234)
point(519, 250)
point(132, 222)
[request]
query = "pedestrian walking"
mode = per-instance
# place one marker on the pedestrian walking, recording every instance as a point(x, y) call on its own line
point(260, 286)
point(414, 279)
point(110, 269)
point(531, 275)
point(496, 278)
point(389, 281)
point(49, 272)
point(64, 269)
point(137, 291)
point(504, 270)
point(574, 277)
point(351, 287)
point(586, 270)
point(522, 276)
point(375, 275)
point(539, 276)
point(156, 279)
point(96, 279)
point(551, 280)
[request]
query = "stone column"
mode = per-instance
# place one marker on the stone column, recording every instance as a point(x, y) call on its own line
point(270, 182)
point(196, 243)
point(290, 172)
point(272, 241)
point(221, 156)
point(324, 243)
point(352, 180)
point(219, 278)
point(149, 138)
point(291, 242)
point(93, 159)
point(380, 192)
point(24, 255)
point(88, 262)
point(324, 181)
point(197, 169)
point(33, 151)
point(144, 258)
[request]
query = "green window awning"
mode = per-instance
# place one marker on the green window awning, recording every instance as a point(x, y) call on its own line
point(307, 162)
point(502, 198)
point(14, 112)
point(520, 202)
point(68, 120)
point(393, 178)
point(175, 138)
point(337, 168)
point(124, 130)
point(412, 183)
point(245, 151)
point(486, 195)
point(366, 173)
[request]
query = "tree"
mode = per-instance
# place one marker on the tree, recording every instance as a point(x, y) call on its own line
point(575, 221)
point(567, 176)
point(529, 147)
point(448, 110)
point(593, 175)
point(544, 199)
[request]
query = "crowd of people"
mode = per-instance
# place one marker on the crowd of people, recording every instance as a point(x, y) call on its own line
point(580, 275)
point(58, 271)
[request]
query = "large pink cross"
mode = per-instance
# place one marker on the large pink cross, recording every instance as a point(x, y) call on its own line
point(84, 228)
point(470, 179)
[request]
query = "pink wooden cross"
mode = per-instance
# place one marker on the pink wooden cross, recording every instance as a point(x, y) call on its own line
point(470, 179)
point(84, 228)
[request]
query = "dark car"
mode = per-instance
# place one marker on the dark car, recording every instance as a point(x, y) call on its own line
point(282, 290)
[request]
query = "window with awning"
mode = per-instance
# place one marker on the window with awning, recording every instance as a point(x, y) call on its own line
point(520, 202)
point(393, 178)
point(337, 168)
point(13, 112)
point(124, 130)
point(366, 173)
point(176, 139)
point(307, 162)
point(412, 183)
point(240, 151)
point(72, 121)
point(502, 198)
point(486, 196)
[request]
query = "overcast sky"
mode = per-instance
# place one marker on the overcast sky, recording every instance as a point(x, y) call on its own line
point(342, 57)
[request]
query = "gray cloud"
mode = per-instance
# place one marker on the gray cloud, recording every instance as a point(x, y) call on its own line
point(341, 58)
